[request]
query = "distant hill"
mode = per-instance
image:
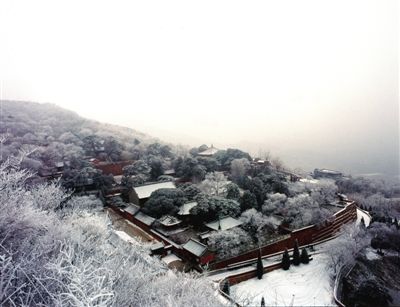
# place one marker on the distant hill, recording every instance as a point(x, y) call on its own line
point(58, 134)
point(21, 117)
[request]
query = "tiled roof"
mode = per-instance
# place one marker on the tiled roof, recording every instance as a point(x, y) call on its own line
point(132, 209)
point(194, 247)
point(144, 218)
point(209, 152)
point(224, 223)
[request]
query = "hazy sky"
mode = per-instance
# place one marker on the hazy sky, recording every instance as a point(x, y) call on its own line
point(313, 81)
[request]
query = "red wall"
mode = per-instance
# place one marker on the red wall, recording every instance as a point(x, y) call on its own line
point(112, 168)
point(305, 236)
point(235, 279)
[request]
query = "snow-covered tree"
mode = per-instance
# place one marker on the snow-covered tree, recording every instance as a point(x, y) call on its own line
point(239, 167)
point(232, 191)
point(258, 225)
point(344, 249)
point(214, 184)
point(60, 252)
point(274, 203)
point(230, 243)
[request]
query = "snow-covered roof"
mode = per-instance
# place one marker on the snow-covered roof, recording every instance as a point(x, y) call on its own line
point(205, 235)
point(309, 180)
point(224, 223)
point(157, 246)
point(145, 191)
point(209, 151)
point(170, 258)
point(144, 218)
point(328, 171)
point(169, 171)
point(195, 247)
point(185, 209)
point(132, 209)
point(169, 220)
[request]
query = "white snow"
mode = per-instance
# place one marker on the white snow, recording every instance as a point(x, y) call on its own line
point(209, 152)
point(195, 247)
point(371, 254)
point(124, 236)
point(309, 180)
point(132, 209)
point(224, 223)
point(144, 218)
point(363, 214)
point(145, 191)
point(185, 209)
point(310, 284)
point(306, 285)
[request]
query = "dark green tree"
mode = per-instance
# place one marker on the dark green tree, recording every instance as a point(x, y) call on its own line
point(257, 188)
point(156, 167)
point(210, 164)
point(262, 302)
point(164, 202)
point(362, 223)
point(198, 173)
point(248, 201)
point(286, 260)
point(211, 207)
point(225, 157)
point(113, 149)
point(226, 287)
point(304, 256)
point(260, 268)
point(190, 190)
point(296, 253)
point(232, 191)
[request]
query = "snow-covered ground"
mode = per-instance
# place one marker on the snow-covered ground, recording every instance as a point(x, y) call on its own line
point(363, 214)
point(124, 236)
point(306, 285)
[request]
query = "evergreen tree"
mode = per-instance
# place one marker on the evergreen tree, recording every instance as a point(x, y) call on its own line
point(296, 253)
point(286, 260)
point(304, 256)
point(362, 222)
point(248, 201)
point(232, 191)
point(226, 288)
point(262, 302)
point(260, 268)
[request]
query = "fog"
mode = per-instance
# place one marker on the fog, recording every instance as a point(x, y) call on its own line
point(314, 82)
